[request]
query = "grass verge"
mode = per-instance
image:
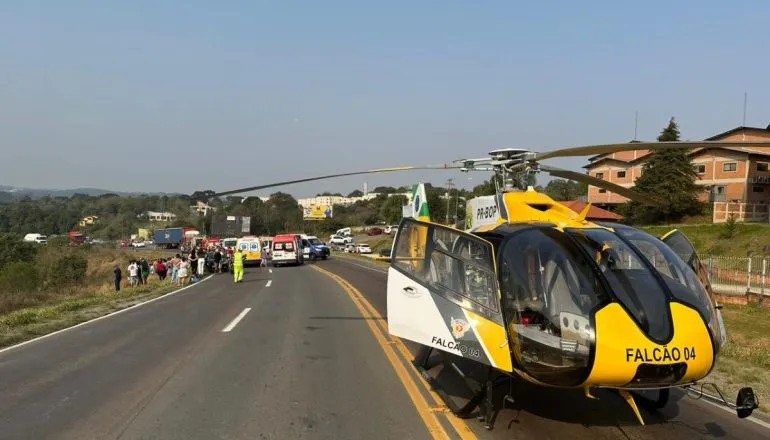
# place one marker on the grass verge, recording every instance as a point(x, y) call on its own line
point(745, 361)
point(747, 239)
point(28, 323)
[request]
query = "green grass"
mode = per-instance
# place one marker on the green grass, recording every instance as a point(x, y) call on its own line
point(27, 323)
point(745, 361)
point(749, 239)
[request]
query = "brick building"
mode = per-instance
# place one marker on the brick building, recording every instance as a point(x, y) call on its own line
point(734, 179)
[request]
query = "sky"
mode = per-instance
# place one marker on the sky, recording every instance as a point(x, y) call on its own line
point(179, 96)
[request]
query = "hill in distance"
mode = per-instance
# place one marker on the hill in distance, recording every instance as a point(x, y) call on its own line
point(10, 193)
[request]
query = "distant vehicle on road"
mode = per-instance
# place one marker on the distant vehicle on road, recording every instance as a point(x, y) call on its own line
point(252, 250)
point(170, 238)
point(286, 250)
point(313, 248)
point(36, 238)
point(341, 240)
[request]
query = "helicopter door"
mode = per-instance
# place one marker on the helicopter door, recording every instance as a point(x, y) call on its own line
point(681, 246)
point(443, 293)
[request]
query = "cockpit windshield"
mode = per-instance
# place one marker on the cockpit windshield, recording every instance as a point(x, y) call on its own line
point(678, 275)
point(635, 285)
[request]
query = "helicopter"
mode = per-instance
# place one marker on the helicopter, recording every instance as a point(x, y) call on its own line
point(542, 294)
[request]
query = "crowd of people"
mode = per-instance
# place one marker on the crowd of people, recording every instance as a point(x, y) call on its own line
point(182, 269)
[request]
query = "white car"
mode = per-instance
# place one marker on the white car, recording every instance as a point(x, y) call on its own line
point(363, 248)
point(139, 244)
point(338, 239)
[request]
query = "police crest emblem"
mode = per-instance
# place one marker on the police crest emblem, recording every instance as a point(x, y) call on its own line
point(459, 327)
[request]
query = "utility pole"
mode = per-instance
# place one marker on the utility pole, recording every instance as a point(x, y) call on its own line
point(448, 199)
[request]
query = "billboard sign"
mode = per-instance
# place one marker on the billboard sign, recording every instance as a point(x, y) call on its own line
point(231, 226)
point(317, 212)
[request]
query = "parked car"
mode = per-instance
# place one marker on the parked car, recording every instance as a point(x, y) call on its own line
point(363, 248)
point(338, 239)
point(374, 231)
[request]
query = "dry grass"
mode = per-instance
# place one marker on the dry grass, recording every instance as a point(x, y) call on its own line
point(27, 323)
point(24, 315)
point(99, 277)
point(745, 361)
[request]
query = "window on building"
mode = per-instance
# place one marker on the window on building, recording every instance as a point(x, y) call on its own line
point(762, 166)
point(699, 169)
point(600, 175)
point(730, 166)
point(757, 189)
point(602, 191)
point(621, 174)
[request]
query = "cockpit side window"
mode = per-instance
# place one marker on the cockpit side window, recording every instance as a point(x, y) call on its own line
point(549, 293)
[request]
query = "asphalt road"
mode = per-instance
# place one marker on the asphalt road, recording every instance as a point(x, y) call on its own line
point(291, 353)
point(540, 413)
point(301, 363)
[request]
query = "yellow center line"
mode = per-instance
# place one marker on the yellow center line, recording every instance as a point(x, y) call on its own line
point(366, 309)
point(428, 417)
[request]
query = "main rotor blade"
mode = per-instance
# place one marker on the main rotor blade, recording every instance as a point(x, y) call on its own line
point(590, 150)
point(332, 176)
point(593, 181)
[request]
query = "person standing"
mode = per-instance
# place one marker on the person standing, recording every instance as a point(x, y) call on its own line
point(237, 266)
point(201, 265)
point(118, 277)
point(218, 261)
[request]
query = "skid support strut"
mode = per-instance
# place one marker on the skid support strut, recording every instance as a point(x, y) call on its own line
point(481, 391)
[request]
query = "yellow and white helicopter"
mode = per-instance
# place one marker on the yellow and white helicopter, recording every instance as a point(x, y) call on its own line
point(538, 292)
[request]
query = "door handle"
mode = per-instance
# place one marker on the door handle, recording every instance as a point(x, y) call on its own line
point(409, 290)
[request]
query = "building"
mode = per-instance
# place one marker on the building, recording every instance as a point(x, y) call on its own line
point(202, 208)
point(155, 216)
point(734, 179)
point(334, 200)
point(594, 212)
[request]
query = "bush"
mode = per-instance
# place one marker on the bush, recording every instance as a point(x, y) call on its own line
point(730, 227)
point(19, 277)
point(68, 270)
point(12, 249)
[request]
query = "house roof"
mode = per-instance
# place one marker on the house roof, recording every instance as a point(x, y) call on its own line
point(594, 213)
point(719, 136)
point(694, 152)
point(597, 158)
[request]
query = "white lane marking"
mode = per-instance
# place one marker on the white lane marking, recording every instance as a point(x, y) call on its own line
point(269, 282)
point(271, 270)
point(708, 399)
point(235, 321)
point(104, 317)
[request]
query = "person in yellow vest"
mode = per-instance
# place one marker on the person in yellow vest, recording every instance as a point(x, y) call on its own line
point(237, 266)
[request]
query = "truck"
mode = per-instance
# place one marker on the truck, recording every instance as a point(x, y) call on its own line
point(77, 238)
point(169, 238)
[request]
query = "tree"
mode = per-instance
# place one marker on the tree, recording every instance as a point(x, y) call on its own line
point(391, 211)
point(356, 193)
point(668, 176)
point(561, 189)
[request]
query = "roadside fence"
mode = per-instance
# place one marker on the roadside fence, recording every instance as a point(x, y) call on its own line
point(739, 276)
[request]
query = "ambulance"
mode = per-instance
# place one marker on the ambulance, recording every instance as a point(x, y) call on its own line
point(287, 249)
point(251, 248)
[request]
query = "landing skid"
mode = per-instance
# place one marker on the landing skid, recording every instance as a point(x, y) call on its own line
point(481, 391)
